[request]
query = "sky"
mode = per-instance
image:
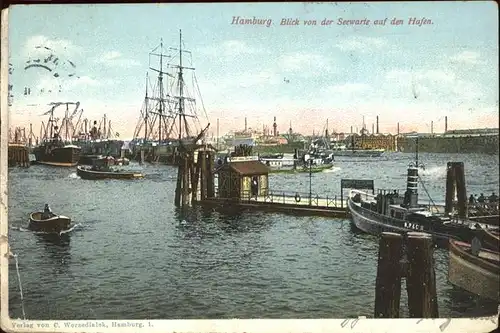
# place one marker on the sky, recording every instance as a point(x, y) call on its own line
point(300, 74)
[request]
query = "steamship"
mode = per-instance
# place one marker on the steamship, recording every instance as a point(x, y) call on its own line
point(388, 211)
point(53, 150)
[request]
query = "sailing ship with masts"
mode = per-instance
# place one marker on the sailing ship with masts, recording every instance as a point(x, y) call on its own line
point(56, 146)
point(170, 112)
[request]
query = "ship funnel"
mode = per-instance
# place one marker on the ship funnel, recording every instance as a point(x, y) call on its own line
point(411, 195)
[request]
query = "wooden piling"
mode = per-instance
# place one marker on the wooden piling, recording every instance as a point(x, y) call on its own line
point(196, 177)
point(18, 155)
point(388, 283)
point(450, 188)
point(185, 181)
point(178, 188)
point(421, 278)
point(461, 189)
point(203, 176)
point(141, 161)
point(210, 156)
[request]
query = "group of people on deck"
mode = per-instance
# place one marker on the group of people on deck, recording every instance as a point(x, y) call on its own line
point(482, 200)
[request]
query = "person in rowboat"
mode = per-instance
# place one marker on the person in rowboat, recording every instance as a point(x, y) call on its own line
point(47, 212)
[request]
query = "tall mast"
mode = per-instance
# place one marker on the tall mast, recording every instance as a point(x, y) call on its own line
point(181, 90)
point(51, 120)
point(146, 111)
point(160, 82)
point(66, 116)
point(104, 132)
point(161, 98)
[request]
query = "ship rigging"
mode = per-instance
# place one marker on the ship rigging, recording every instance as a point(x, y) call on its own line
point(169, 112)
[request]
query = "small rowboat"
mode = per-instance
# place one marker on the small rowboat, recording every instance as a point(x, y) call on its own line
point(55, 223)
point(90, 173)
point(490, 239)
point(475, 270)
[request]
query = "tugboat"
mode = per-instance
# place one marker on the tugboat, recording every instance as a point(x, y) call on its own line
point(101, 169)
point(390, 212)
point(53, 150)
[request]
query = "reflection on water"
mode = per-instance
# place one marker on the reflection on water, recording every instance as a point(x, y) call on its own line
point(134, 255)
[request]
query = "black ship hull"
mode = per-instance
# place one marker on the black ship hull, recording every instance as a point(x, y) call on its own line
point(67, 156)
point(374, 223)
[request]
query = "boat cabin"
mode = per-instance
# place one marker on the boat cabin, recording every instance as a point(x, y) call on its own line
point(102, 163)
point(242, 179)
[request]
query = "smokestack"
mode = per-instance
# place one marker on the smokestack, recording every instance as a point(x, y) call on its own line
point(245, 124)
point(351, 129)
point(446, 124)
point(275, 133)
point(432, 127)
point(398, 128)
point(377, 124)
point(373, 128)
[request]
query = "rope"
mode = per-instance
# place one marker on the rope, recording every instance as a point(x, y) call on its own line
point(20, 285)
point(423, 185)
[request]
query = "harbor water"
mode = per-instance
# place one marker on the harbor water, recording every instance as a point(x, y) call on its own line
point(133, 255)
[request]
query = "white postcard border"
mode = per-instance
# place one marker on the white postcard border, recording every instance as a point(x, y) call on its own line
point(466, 325)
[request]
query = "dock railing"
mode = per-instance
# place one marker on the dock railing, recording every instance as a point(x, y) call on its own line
point(293, 198)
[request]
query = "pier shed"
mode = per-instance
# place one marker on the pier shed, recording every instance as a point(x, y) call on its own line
point(241, 178)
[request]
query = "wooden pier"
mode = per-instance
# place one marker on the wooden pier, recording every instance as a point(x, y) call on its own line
point(242, 183)
point(296, 203)
point(18, 155)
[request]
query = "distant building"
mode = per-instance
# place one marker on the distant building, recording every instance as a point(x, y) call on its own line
point(373, 141)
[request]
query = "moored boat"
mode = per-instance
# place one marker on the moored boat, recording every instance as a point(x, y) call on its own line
point(101, 169)
point(474, 269)
point(53, 150)
point(312, 162)
point(490, 239)
point(48, 221)
point(388, 211)
point(56, 153)
point(358, 152)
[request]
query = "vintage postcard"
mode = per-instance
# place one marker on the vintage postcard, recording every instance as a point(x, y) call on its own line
point(250, 167)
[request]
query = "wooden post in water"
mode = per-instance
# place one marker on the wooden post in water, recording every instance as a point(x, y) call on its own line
point(196, 177)
point(388, 283)
point(450, 188)
point(142, 156)
point(461, 190)
point(185, 180)
point(210, 174)
point(204, 172)
point(180, 176)
point(455, 184)
point(421, 278)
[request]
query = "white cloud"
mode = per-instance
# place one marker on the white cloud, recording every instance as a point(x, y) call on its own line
point(360, 43)
point(440, 85)
point(349, 88)
point(304, 63)
point(231, 48)
point(37, 45)
point(466, 57)
point(115, 58)
point(257, 78)
point(435, 76)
